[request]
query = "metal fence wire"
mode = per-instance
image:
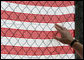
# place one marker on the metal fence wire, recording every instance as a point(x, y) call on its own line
point(27, 29)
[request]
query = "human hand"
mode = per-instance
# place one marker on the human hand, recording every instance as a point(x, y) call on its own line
point(66, 37)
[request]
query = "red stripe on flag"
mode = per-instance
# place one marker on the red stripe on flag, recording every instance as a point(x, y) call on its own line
point(25, 17)
point(45, 3)
point(18, 33)
point(19, 50)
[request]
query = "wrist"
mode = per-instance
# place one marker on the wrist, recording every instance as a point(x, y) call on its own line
point(73, 42)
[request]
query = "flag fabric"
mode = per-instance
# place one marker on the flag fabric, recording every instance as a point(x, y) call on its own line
point(28, 28)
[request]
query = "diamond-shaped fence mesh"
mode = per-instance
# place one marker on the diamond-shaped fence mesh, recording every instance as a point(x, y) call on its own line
point(27, 29)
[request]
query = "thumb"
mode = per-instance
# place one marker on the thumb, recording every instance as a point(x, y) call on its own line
point(57, 38)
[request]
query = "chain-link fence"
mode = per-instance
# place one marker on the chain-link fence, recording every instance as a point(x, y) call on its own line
point(27, 29)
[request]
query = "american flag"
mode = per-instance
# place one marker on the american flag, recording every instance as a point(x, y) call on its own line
point(27, 29)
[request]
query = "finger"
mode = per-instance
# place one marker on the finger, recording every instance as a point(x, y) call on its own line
point(59, 26)
point(64, 28)
point(58, 29)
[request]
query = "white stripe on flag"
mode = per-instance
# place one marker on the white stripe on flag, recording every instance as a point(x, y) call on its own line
point(35, 26)
point(37, 9)
point(30, 42)
point(59, 56)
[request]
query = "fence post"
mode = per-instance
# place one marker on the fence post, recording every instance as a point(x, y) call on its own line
point(79, 22)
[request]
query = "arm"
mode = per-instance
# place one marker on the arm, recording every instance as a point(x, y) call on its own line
point(67, 38)
point(78, 48)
